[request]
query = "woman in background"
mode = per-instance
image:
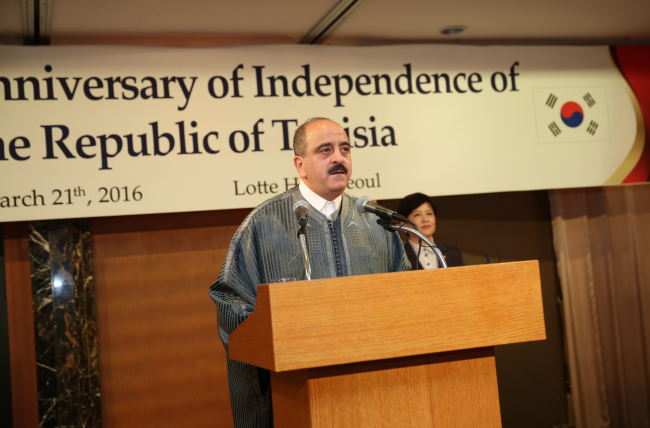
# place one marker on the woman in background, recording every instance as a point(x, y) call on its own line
point(421, 211)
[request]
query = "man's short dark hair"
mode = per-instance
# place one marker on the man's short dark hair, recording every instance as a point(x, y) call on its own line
point(411, 202)
point(300, 137)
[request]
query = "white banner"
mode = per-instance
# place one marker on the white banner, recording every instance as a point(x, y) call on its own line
point(99, 131)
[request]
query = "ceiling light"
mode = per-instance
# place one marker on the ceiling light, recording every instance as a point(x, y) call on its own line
point(453, 30)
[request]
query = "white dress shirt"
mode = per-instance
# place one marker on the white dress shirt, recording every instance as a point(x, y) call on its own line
point(428, 259)
point(321, 204)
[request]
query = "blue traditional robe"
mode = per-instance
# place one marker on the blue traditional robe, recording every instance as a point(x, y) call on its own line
point(265, 249)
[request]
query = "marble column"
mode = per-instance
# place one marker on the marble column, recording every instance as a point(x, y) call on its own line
point(67, 361)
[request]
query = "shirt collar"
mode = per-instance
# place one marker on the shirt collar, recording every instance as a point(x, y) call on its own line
point(415, 246)
point(317, 201)
point(428, 259)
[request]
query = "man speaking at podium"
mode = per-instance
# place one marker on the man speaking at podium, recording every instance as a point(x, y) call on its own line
point(341, 242)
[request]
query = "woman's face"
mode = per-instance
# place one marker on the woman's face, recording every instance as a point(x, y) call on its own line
point(424, 218)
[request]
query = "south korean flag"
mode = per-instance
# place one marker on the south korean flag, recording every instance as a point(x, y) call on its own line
point(577, 114)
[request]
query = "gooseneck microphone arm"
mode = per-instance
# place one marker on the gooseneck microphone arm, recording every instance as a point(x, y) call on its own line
point(305, 252)
point(395, 227)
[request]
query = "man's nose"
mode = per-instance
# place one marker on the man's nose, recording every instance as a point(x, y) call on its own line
point(338, 156)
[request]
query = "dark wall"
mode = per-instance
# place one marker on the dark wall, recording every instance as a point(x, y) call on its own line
point(5, 370)
point(532, 376)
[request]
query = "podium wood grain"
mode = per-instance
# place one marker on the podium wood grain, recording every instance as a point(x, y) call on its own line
point(408, 392)
point(345, 320)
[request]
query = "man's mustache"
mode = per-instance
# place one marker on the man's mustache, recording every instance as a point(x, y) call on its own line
point(337, 167)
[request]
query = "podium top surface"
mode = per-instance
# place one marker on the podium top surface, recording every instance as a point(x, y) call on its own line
point(333, 321)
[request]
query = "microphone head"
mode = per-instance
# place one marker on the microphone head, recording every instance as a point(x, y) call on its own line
point(299, 203)
point(361, 204)
point(300, 209)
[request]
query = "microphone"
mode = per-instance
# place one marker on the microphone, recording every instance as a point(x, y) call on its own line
point(365, 205)
point(300, 209)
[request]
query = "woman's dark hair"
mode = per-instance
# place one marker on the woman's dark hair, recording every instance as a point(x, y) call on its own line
point(411, 202)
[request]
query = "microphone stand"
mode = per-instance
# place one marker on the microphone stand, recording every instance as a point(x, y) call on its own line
point(305, 252)
point(392, 227)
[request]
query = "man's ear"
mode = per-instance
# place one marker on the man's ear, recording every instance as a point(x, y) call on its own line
point(299, 164)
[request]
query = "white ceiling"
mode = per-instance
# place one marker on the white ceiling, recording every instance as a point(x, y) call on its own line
point(378, 21)
point(10, 18)
point(507, 20)
point(187, 16)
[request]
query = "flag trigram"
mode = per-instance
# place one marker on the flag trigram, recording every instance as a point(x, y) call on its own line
point(554, 129)
point(589, 99)
point(592, 127)
point(552, 99)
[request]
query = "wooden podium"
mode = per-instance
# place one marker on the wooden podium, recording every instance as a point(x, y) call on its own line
point(407, 349)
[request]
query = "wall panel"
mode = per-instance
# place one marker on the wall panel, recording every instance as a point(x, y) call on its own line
point(20, 318)
point(161, 361)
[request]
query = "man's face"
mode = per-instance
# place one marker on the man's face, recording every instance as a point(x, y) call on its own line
point(327, 164)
